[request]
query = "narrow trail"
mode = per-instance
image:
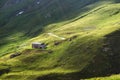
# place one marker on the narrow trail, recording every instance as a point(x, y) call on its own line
point(51, 34)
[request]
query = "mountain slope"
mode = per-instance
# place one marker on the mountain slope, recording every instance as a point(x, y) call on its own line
point(83, 54)
point(35, 17)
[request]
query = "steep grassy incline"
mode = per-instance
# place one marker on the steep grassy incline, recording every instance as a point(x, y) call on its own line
point(17, 28)
point(87, 51)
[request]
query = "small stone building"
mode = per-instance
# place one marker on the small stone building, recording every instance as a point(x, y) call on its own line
point(38, 45)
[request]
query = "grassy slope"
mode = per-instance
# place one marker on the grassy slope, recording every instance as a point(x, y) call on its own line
point(70, 56)
point(31, 23)
point(112, 77)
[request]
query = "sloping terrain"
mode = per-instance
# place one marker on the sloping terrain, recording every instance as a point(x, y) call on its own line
point(90, 48)
point(34, 17)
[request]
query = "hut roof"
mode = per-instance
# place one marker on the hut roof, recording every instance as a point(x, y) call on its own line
point(36, 43)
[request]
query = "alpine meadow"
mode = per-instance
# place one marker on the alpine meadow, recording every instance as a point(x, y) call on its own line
point(59, 39)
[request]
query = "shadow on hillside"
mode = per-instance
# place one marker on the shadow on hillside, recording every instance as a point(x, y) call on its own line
point(117, 1)
point(58, 12)
point(107, 62)
point(113, 40)
point(72, 76)
point(64, 12)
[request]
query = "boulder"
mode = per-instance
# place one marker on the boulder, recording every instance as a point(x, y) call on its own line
point(57, 43)
point(15, 55)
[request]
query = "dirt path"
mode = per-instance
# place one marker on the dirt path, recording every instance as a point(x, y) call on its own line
point(51, 34)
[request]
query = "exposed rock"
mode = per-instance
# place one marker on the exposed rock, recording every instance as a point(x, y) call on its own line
point(19, 13)
point(57, 43)
point(15, 55)
point(38, 2)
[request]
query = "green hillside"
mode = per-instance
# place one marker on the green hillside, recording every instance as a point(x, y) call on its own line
point(87, 39)
point(31, 23)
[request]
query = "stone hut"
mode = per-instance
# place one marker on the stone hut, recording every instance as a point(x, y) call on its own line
point(38, 45)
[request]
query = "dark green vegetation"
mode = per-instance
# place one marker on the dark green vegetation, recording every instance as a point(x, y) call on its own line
point(91, 47)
